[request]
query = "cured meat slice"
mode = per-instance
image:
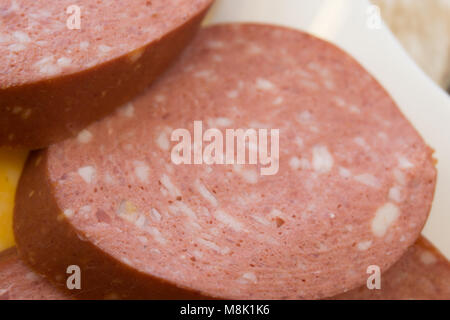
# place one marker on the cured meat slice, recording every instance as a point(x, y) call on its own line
point(18, 282)
point(423, 273)
point(56, 79)
point(354, 184)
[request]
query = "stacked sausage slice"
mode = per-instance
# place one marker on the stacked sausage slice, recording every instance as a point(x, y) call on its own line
point(353, 184)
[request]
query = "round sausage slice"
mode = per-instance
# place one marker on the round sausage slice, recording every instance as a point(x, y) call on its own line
point(19, 282)
point(66, 64)
point(423, 273)
point(350, 185)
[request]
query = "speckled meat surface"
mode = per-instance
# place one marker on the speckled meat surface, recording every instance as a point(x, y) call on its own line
point(55, 80)
point(19, 282)
point(423, 273)
point(354, 186)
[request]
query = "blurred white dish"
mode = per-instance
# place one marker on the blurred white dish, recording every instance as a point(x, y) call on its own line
point(353, 26)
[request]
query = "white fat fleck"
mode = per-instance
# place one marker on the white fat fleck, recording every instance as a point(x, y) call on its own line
point(250, 276)
point(108, 178)
point(167, 183)
point(14, 6)
point(21, 36)
point(85, 210)
point(299, 142)
point(233, 94)
point(322, 160)
point(85, 136)
point(400, 177)
point(142, 239)
point(345, 173)
point(181, 206)
point(68, 213)
point(209, 244)
point(205, 193)
point(140, 221)
point(127, 110)
point(364, 245)
point(214, 44)
point(223, 122)
point(384, 218)
point(361, 142)
point(275, 213)
point(31, 276)
point(155, 215)
point(155, 251)
point(163, 141)
point(4, 38)
point(160, 98)
point(404, 163)
point(198, 254)
point(204, 74)
point(156, 235)
point(340, 102)
point(87, 173)
point(84, 45)
point(17, 47)
point(278, 101)
point(228, 220)
point(354, 109)
point(135, 55)
point(309, 84)
point(329, 84)
point(261, 220)
point(368, 180)
point(264, 84)
point(254, 49)
point(142, 171)
point(395, 194)
point(294, 163)
point(249, 175)
point(47, 66)
point(217, 58)
point(104, 48)
point(428, 258)
point(64, 62)
point(304, 117)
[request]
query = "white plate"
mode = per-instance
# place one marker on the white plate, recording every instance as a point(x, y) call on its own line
point(349, 24)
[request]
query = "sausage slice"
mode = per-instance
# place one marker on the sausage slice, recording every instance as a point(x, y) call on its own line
point(353, 188)
point(423, 273)
point(19, 282)
point(55, 80)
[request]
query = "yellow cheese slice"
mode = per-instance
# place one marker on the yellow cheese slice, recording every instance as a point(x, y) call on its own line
point(11, 164)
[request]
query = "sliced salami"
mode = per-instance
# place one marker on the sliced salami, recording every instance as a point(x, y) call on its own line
point(19, 282)
point(423, 273)
point(66, 64)
point(353, 183)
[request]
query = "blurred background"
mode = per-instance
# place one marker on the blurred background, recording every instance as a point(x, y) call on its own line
point(423, 28)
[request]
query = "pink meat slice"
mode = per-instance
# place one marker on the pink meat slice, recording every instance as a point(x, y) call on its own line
point(423, 273)
point(19, 282)
point(354, 186)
